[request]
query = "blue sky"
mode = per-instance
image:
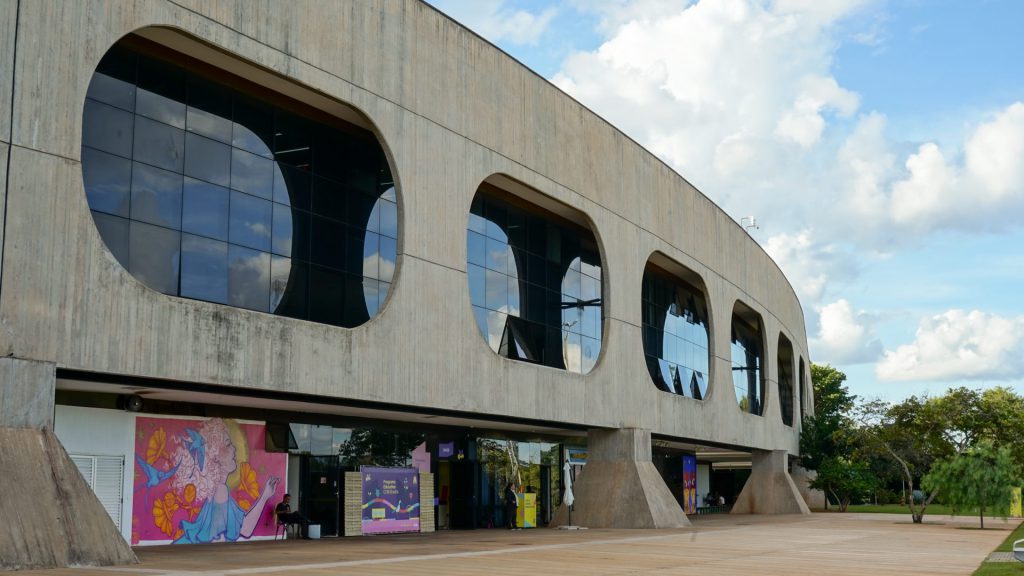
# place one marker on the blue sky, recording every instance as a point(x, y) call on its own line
point(879, 143)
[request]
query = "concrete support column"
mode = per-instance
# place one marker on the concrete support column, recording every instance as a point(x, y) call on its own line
point(52, 517)
point(26, 393)
point(620, 487)
point(770, 489)
point(802, 477)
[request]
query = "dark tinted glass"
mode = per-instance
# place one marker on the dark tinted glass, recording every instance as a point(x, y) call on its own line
point(156, 196)
point(107, 128)
point(675, 332)
point(785, 367)
point(207, 160)
point(108, 181)
point(205, 209)
point(204, 269)
point(159, 144)
point(114, 232)
point(236, 175)
point(527, 295)
point(250, 221)
point(747, 365)
point(154, 256)
point(248, 278)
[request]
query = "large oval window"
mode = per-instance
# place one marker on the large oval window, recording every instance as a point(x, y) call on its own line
point(209, 187)
point(534, 282)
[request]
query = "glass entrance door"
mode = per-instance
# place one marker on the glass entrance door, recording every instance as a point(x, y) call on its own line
point(321, 492)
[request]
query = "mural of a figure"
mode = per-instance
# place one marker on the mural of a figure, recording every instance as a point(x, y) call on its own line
point(207, 478)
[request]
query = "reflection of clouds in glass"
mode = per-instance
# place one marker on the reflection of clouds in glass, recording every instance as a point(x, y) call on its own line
point(572, 352)
point(249, 278)
point(258, 228)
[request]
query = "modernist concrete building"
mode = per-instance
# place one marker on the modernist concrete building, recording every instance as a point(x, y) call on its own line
point(281, 241)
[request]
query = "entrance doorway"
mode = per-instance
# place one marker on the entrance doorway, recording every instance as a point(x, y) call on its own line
point(322, 492)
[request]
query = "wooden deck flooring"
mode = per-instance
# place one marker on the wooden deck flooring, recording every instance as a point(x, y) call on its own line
point(835, 544)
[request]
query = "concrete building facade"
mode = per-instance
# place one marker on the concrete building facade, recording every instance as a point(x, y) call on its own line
point(456, 120)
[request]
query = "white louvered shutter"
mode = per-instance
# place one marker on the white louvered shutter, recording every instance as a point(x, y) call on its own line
point(104, 475)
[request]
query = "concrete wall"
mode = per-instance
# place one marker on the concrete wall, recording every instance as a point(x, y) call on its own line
point(452, 110)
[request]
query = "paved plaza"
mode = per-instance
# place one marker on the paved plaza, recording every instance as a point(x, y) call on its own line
point(836, 544)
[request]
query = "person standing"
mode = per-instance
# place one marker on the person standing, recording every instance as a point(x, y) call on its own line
point(511, 505)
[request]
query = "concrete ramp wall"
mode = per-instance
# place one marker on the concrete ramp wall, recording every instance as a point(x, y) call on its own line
point(50, 515)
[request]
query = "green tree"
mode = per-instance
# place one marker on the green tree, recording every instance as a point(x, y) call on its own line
point(980, 478)
point(845, 479)
point(825, 435)
point(368, 446)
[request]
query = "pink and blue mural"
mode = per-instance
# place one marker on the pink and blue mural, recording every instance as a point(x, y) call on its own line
point(199, 481)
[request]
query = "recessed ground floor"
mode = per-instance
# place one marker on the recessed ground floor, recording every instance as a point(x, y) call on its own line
point(826, 543)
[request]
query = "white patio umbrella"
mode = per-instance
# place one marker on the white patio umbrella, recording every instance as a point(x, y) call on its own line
point(567, 478)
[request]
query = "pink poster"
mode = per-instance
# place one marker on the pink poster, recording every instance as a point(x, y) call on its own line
point(199, 481)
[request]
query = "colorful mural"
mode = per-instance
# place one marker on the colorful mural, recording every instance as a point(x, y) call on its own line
point(689, 484)
point(199, 481)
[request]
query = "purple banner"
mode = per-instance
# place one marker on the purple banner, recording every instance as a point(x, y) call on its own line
point(689, 484)
point(391, 500)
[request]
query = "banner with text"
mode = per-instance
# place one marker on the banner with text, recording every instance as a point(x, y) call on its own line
point(391, 500)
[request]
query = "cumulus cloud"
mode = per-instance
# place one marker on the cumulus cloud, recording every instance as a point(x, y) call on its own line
point(497, 22)
point(810, 264)
point(844, 336)
point(959, 345)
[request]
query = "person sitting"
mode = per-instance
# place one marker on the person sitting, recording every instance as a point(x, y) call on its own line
point(286, 516)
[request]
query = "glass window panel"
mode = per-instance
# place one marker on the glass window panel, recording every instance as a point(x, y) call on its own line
point(159, 144)
point(571, 284)
point(592, 269)
point(114, 232)
point(533, 304)
point(253, 129)
point(590, 352)
point(373, 220)
point(107, 180)
point(382, 292)
point(513, 262)
point(358, 207)
point(497, 219)
point(571, 319)
point(330, 199)
point(480, 314)
point(497, 291)
point(477, 223)
point(513, 296)
point(250, 221)
point(207, 159)
point(161, 108)
point(497, 255)
point(371, 295)
point(371, 255)
point(388, 219)
point(496, 322)
point(292, 186)
point(248, 278)
point(154, 256)
point(326, 293)
point(591, 322)
point(289, 284)
point(590, 288)
point(204, 269)
point(476, 248)
point(477, 285)
point(388, 257)
point(113, 91)
point(209, 110)
point(205, 209)
point(354, 304)
point(328, 242)
point(293, 140)
point(252, 174)
point(572, 350)
point(107, 128)
point(156, 196)
point(284, 237)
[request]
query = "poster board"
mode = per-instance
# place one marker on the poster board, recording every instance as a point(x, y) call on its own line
point(390, 500)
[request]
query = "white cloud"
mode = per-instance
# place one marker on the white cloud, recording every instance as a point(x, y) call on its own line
point(496, 22)
point(810, 264)
point(844, 336)
point(959, 345)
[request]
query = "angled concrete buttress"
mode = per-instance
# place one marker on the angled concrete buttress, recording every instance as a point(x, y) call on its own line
point(620, 487)
point(770, 489)
point(51, 516)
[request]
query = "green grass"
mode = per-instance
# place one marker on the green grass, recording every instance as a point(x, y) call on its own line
point(1003, 568)
point(933, 510)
